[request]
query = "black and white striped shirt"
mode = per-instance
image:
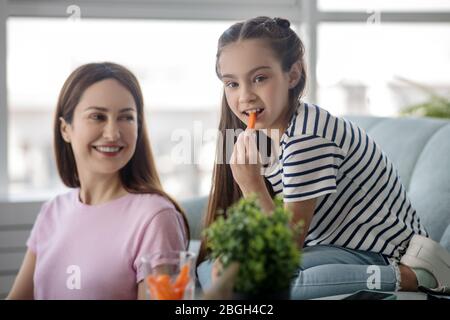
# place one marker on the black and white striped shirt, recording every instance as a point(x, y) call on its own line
point(361, 202)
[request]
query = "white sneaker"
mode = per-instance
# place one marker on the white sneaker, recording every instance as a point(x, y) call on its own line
point(425, 253)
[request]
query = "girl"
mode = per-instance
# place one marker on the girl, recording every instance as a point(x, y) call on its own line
point(331, 174)
point(87, 243)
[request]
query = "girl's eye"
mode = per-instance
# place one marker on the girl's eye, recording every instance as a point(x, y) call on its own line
point(231, 84)
point(128, 118)
point(260, 79)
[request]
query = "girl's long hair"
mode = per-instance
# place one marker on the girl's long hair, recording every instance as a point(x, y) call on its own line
point(288, 49)
point(139, 175)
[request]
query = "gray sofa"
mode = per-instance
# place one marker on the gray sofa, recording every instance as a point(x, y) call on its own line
point(419, 147)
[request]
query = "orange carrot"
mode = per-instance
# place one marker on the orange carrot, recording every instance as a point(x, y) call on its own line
point(181, 282)
point(183, 277)
point(165, 287)
point(252, 120)
point(153, 287)
point(163, 278)
point(161, 288)
point(164, 292)
point(179, 293)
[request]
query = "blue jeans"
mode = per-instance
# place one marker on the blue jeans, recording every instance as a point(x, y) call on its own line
point(331, 270)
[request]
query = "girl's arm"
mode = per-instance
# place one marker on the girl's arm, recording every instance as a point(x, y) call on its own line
point(23, 287)
point(264, 196)
point(246, 170)
point(301, 210)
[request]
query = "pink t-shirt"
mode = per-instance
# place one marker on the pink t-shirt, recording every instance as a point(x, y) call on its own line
point(93, 251)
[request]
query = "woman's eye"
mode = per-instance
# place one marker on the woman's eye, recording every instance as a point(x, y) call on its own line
point(98, 116)
point(260, 79)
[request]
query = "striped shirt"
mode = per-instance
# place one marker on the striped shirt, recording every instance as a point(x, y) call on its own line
point(361, 203)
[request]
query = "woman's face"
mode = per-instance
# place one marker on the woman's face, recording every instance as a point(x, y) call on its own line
point(104, 129)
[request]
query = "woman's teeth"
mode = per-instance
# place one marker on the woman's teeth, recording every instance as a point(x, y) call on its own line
point(108, 149)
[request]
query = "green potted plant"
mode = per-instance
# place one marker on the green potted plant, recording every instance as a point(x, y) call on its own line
point(437, 106)
point(262, 244)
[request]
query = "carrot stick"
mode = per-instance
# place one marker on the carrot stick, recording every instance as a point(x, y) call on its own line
point(252, 120)
point(163, 278)
point(183, 277)
point(153, 287)
point(165, 287)
point(161, 288)
point(178, 293)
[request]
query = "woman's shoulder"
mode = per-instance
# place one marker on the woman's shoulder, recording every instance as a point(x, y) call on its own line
point(153, 199)
point(53, 208)
point(150, 204)
point(146, 209)
point(59, 200)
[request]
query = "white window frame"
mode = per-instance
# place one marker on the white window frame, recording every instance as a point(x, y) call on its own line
point(299, 12)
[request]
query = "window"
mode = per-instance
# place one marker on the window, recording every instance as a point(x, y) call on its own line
point(385, 5)
point(380, 68)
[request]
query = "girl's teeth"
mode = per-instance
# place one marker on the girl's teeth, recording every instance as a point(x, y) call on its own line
point(108, 149)
point(254, 110)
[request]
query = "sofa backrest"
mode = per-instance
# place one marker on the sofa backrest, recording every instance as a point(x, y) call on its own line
point(195, 209)
point(419, 148)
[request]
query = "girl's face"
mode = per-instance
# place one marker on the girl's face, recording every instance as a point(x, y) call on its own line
point(104, 128)
point(254, 80)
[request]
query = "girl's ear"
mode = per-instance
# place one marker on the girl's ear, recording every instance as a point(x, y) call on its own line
point(295, 74)
point(64, 129)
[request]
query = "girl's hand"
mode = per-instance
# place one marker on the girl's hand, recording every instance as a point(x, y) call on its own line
point(245, 163)
point(222, 286)
point(216, 270)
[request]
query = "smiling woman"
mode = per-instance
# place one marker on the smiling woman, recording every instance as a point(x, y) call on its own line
point(104, 137)
point(117, 210)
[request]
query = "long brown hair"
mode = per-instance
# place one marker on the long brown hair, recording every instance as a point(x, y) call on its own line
point(139, 175)
point(288, 49)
